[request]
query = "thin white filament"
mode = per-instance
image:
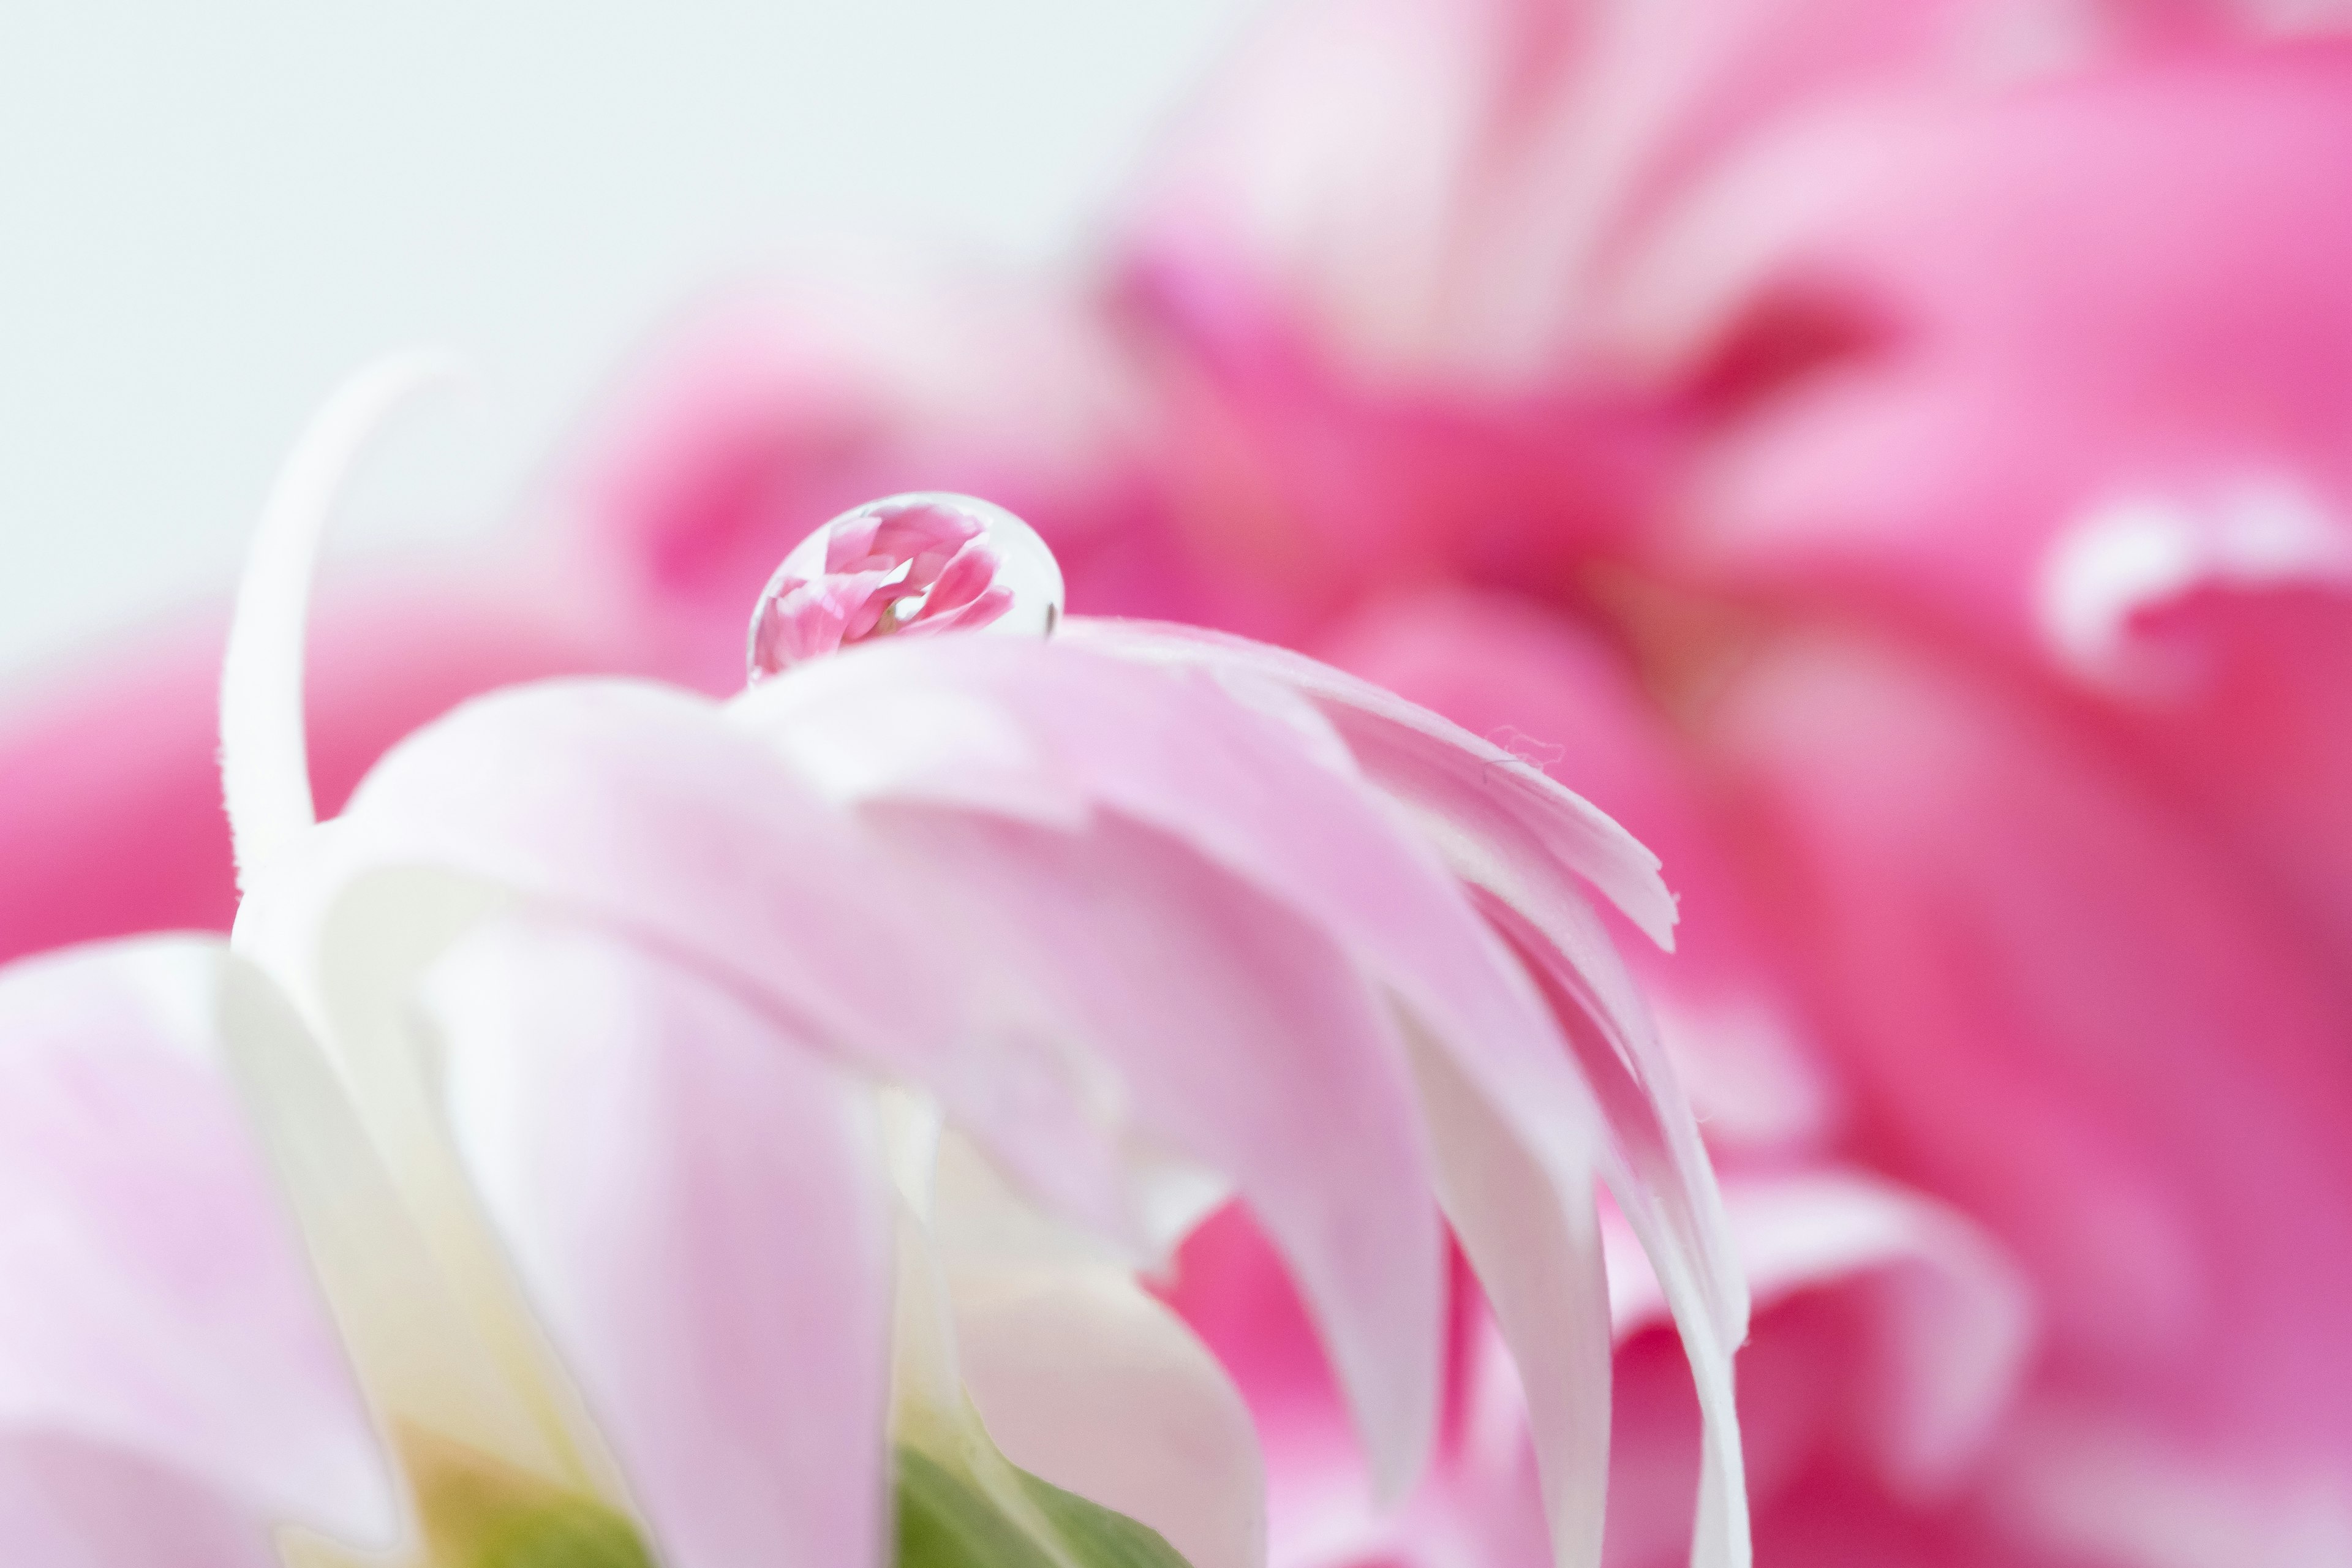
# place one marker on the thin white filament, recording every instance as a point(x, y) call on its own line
point(264, 759)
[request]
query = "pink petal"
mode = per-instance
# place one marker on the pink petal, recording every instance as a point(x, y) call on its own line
point(162, 1344)
point(1244, 1039)
point(1939, 1321)
point(2051, 338)
point(649, 813)
point(1511, 829)
point(66, 1503)
point(696, 1205)
point(1416, 752)
point(112, 773)
point(2070, 1016)
point(1550, 689)
point(985, 608)
point(1178, 749)
point(961, 580)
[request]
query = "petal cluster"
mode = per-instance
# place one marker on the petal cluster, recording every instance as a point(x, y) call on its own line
point(673, 1096)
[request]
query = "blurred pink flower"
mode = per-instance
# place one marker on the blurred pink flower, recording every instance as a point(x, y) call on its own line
point(1973, 648)
point(687, 1106)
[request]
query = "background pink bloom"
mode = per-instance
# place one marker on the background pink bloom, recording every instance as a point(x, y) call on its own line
point(111, 772)
point(1973, 657)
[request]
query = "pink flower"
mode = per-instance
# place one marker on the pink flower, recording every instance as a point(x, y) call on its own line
point(698, 1114)
point(1972, 648)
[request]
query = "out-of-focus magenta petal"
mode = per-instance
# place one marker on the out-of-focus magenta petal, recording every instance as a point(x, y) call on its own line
point(2116, 289)
point(1242, 1038)
point(2066, 1013)
point(1229, 1285)
point(163, 1353)
point(112, 773)
point(1890, 1340)
point(2257, 733)
point(1941, 1319)
point(697, 1207)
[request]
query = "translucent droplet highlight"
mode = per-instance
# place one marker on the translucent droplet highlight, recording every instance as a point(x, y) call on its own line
point(904, 566)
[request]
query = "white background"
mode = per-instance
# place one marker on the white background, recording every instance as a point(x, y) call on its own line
point(210, 213)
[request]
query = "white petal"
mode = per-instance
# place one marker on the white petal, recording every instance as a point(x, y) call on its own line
point(697, 1207)
point(265, 766)
point(420, 1350)
point(1087, 1381)
point(1530, 1226)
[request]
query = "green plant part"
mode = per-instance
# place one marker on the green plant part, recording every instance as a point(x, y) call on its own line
point(480, 1513)
point(945, 1521)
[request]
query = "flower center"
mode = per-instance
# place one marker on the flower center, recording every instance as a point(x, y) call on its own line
point(925, 562)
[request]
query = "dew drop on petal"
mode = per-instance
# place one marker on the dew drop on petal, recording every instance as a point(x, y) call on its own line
point(907, 565)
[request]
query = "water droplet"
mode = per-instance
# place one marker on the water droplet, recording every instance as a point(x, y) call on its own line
point(907, 565)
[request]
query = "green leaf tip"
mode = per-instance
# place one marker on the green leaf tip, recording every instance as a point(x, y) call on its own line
point(944, 1521)
point(570, 1533)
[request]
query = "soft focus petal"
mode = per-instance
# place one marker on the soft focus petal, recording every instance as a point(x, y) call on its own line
point(66, 1503)
point(695, 1205)
point(1088, 1383)
point(2113, 289)
point(165, 1364)
point(445, 1360)
point(1941, 1319)
point(2065, 1014)
point(1245, 1041)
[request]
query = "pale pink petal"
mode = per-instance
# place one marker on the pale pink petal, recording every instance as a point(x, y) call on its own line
point(68, 1502)
point(420, 1297)
point(1535, 1241)
point(1187, 751)
point(1088, 1383)
point(1242, 1038)
point(1507, 827)
point(162, 1344)
point(1415, 753)
point(697, 1207)
point(647, 813)
point(1553, 691)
